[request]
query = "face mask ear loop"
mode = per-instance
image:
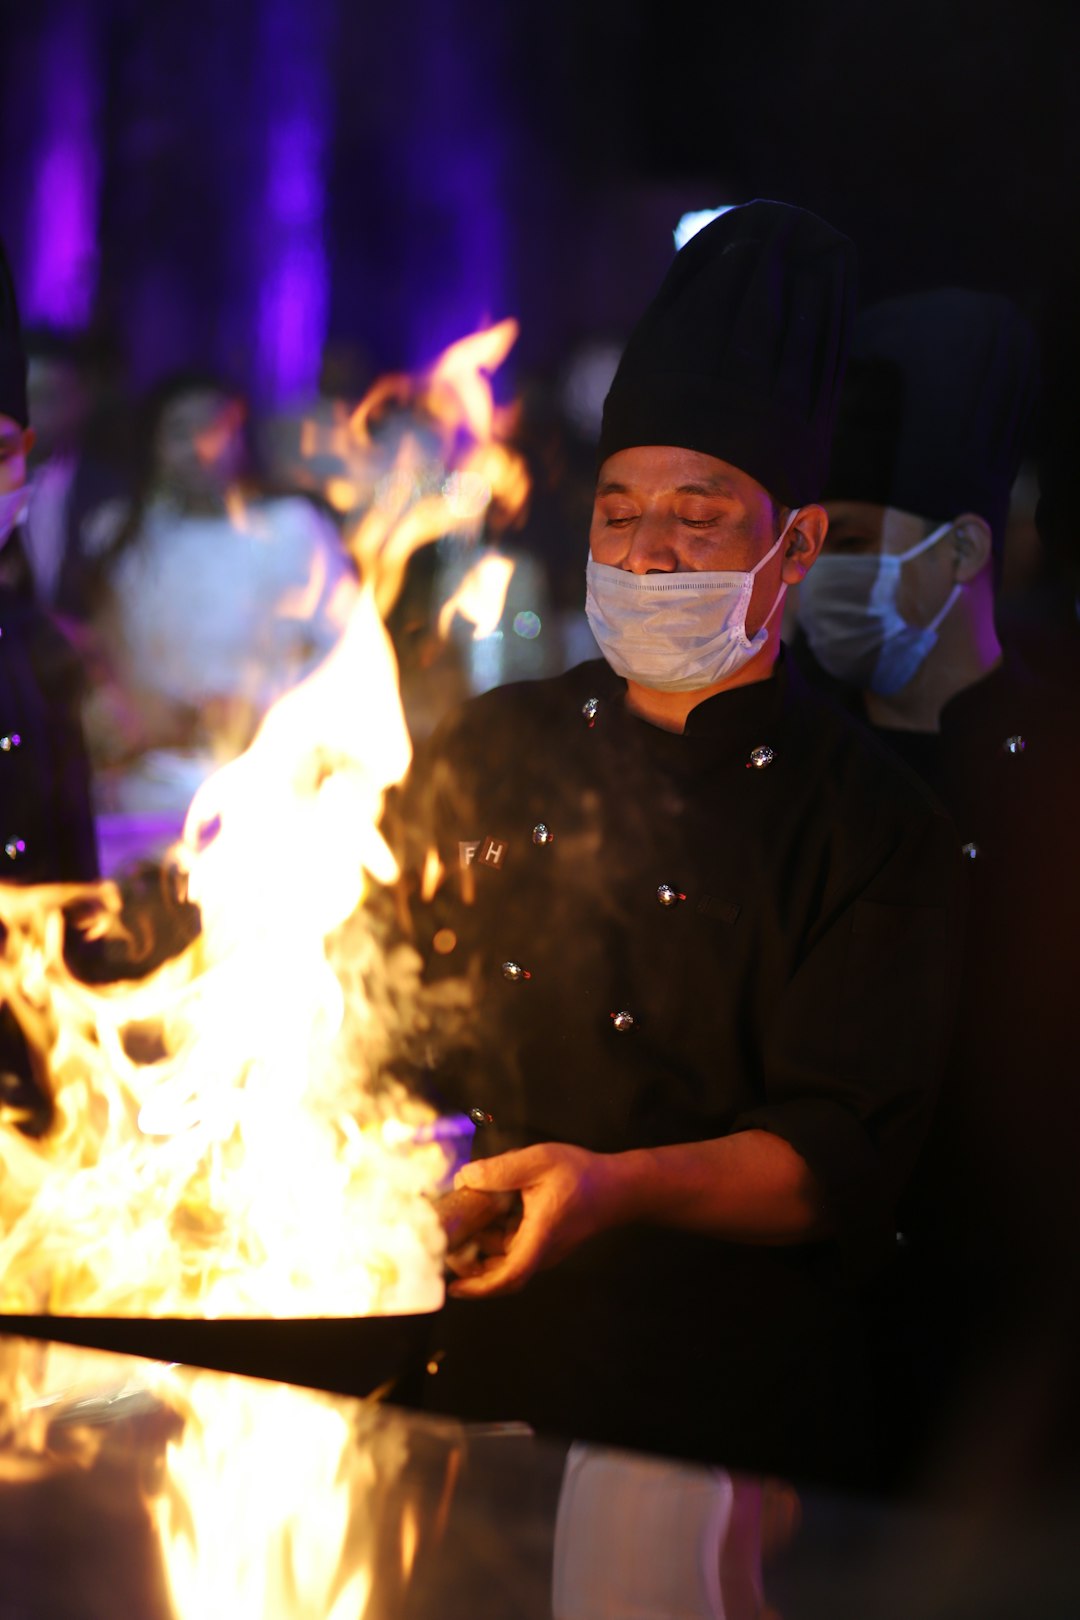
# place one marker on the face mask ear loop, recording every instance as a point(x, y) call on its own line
point(924, 545)
point(781, 593)
point(938, 617)
point(771, 553)
point(764, 625)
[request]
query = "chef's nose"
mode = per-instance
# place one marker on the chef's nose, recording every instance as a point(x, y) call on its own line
point(652, 549)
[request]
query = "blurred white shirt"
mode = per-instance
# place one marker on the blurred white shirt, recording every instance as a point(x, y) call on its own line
point(216, 607)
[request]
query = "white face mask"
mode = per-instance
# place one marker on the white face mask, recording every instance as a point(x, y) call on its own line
point(847, 608)
point(13, 508)
point(676, 632)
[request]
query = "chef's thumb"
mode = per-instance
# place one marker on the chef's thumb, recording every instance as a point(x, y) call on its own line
point(506, 1172)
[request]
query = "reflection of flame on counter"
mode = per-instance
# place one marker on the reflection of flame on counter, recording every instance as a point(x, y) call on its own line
point(218, 1146)
point(124, 1481)
point(256, 1516)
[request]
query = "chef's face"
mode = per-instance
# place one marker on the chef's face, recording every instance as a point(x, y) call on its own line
point(864, 527)
point(660, 509)
point(15, 445)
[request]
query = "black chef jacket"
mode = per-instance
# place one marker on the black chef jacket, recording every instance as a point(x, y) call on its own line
point(993, 1210)
point(46, 821)
point(800, 984)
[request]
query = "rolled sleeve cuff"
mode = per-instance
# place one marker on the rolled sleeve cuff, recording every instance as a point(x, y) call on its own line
point(846, 1168)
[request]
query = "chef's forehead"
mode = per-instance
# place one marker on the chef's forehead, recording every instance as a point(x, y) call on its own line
point(657, 469)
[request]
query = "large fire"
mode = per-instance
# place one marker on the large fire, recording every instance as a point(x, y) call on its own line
point(218, 1146)
point(218, 1143)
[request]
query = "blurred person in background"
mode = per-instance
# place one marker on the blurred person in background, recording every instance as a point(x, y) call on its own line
point(213, 597)
point(583, 385)
point(900, 610)
point(300, 447)
point(74, 471)
point(46, 825)
point(1045, 617)
point(46, 831)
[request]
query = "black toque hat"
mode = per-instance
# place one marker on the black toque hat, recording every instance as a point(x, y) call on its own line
point(12, 357)
point(936, 406)
point(741, 353)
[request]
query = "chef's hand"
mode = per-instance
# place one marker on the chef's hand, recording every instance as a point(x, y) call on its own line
point(567, 1195)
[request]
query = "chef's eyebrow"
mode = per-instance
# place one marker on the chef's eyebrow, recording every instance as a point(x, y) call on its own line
point(714, 486)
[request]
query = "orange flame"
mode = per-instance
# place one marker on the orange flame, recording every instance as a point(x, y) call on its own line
point(217, 1147)
point(481, 596)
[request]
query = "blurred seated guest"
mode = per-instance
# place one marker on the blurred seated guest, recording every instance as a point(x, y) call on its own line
point(308, 447)
point(73, 475)
point(901, 607)
point(46, 826)
point(46, 829)
point(214, 598)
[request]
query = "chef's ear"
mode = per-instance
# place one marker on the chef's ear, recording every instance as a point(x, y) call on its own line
point(803, 542)
point(973, 546)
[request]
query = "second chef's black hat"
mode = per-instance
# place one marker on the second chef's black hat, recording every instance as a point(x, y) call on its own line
point(741, 353)
point(937, 405)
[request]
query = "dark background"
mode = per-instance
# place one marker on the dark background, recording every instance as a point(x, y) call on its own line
point(237, 182)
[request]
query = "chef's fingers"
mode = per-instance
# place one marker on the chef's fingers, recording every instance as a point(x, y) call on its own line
point(506, 1275)
point(506, 1172)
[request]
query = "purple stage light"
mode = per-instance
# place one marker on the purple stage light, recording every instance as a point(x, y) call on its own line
point(293, 300)
point(62, 258)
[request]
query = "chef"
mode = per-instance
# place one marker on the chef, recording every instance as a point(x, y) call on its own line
point(901, 608)
point(709, 925)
